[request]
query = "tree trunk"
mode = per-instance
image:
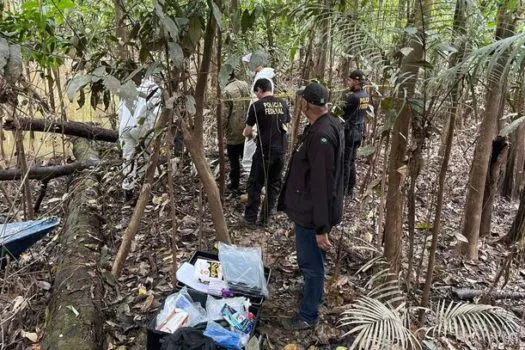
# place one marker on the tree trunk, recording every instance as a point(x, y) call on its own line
point(381, 209)
point(269, 34)
point(121, 32)
point(78, 129)
point(308, 61)
point(410, 65)
point(194, 138)
point(220, 129)
point(44, 173)
point(517, 230)
point(296, 122)
point(173, 206)
point(459, 25)
point(488, 131)
point(514, 178)
point(498, 157)
point(76, 320)
point(212, 191)
point(513, 181)
point(2, 138)
point(320, 66)
point(415, 164)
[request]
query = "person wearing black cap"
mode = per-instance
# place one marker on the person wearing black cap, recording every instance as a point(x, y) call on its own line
point(354, 116)
point(271, 116)
point(312, 197)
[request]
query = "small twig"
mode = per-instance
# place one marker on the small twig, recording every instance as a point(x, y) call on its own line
point(41, 195)
point(173, 206)
point(201, 210)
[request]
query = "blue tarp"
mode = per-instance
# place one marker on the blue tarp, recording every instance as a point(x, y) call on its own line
point(18, 236)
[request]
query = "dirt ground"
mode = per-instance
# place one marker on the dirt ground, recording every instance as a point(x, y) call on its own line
point(132, 300)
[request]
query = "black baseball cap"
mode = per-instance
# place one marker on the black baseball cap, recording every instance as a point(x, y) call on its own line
point(357, 75)
point(315, 94)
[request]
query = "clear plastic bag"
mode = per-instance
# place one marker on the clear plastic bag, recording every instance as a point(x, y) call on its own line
point(214, 306)
point(182, 300)
point(223, 337)
point(243, 269)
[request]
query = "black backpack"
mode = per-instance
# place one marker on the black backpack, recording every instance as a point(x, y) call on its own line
point(187, 339)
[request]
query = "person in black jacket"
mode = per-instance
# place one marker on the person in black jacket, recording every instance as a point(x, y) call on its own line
point(312, 197)
point(354, 116)
point(271, 116)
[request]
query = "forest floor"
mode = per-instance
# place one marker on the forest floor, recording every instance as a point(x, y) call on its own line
point(132, 301)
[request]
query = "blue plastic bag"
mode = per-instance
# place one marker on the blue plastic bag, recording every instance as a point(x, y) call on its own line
point(223, 337)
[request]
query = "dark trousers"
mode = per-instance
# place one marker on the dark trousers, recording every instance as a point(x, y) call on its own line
point(352, 143)
point(265, 172)
point(178, 143)
point(235, 153)
point(311, 264)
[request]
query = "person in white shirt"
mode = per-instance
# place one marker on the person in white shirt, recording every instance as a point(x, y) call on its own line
point(137, 118)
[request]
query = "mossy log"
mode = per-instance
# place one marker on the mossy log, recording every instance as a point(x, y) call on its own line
point(75, 320)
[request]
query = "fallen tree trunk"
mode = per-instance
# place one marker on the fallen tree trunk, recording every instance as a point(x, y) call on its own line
point(44, 173)
point(78, 129)
point(467, 293)
point(75, 319)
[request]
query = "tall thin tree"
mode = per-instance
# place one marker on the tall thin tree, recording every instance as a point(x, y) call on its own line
point(487, 132)
point(395, 200)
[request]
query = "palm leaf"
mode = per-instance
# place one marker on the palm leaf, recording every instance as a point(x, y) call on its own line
point(375, 324)
point(485, 322)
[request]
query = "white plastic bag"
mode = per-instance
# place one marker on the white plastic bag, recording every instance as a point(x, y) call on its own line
point(243, 269)
point(214, 306)
point(182, 300)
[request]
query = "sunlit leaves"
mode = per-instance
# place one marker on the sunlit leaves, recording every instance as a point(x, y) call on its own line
point(169, 26)
point(217, 14)
point(195, 29)
point(75, 84)
point(111, 83)
point(176, 54)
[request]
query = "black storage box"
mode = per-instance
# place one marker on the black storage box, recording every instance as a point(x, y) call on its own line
point(154, 336)
point(254, 298)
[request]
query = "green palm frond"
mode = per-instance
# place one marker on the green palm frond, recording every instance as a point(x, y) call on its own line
point(485, 322)
point(497, 58)
point(376, 325)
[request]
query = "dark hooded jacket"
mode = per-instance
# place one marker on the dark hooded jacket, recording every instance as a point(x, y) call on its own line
point(312, 194)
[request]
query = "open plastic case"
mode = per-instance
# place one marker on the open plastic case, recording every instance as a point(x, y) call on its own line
point(255, 298)
point(155, 336)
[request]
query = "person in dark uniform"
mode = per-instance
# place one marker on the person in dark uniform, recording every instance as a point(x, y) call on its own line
point(312, 197)
point(354, 115)
point(271, 116)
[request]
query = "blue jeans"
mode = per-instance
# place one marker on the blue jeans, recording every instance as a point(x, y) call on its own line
point(311, 264)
